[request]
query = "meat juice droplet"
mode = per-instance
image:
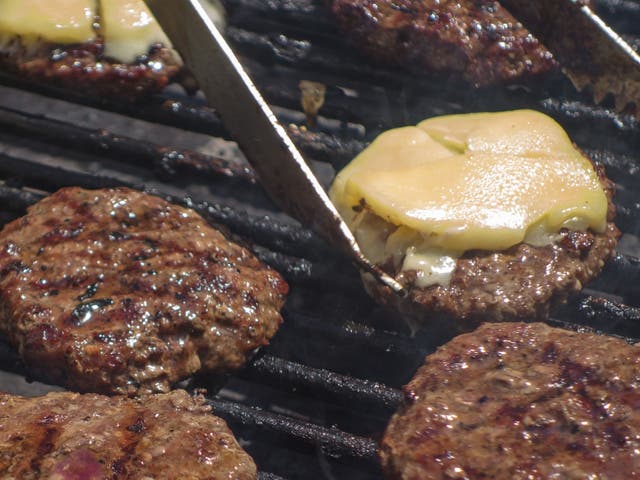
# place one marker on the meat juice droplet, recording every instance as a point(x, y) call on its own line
point(79, 465)
point(83, 312)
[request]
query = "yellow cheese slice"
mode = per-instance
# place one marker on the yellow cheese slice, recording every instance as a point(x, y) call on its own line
point(59, 21)
point(129, 29)
point(479, 181)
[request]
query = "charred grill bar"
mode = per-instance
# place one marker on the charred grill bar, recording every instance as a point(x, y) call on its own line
point(167, 162)
point(316, 400)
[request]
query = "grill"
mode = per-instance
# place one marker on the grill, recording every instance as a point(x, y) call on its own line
point(315, 402)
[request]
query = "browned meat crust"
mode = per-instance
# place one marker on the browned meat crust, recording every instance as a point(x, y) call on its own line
point(521, 283)
point(520, 401)
point(477, 40)
point(84, 67)
point(68, 436)
point(117, 291)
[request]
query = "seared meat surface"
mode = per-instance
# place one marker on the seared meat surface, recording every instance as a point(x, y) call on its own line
point(519, 401)
point(116, 291)
point(83, 67)
point(522, 282)
point(69, 436)
point(477, 40)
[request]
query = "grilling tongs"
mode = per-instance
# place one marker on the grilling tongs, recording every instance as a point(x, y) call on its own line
point(283, 172)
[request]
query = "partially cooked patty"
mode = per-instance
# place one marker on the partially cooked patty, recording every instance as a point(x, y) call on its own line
point(519, 401)
point(523, 282)
point(67, 436)
point(83, 67)
point(477, 40)
point(117, 291)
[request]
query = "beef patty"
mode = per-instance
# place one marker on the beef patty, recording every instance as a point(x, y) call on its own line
point(69, 436)
point(519, 401)
point(116, 291)
point(477, 40)
point(84, 67)
point(523, 282)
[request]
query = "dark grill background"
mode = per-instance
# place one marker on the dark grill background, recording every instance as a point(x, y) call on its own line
point(314, 403)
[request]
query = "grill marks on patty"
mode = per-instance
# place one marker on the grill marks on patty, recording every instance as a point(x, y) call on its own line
point(515, 401)
point(478, 41)
point(71, 436)
point(116, 291)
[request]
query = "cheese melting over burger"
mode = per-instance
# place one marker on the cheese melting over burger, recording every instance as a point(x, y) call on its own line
point(128, 29)
point(126, 26)
point(60, 22)
point(421, 196)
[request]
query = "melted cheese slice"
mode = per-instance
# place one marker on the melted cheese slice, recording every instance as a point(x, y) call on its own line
point(59, 21)
point(127, 26)
point(479, 181)
point(129, 29)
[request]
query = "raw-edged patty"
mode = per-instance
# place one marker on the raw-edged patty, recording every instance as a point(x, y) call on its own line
point(523, 282)
point(117, 291)
point(477, 40)
point(70, 436)
point(515, 401)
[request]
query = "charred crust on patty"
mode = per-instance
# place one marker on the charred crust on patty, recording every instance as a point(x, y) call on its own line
point(84, 67)
point(478, 41)
point(135, 295)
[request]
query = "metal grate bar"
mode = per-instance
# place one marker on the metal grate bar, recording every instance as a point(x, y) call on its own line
point(51, 178)
point(168, 162)
point(331, 274)
point(623, 169)
point(271, 233)
point(623, 15)
point(621, 275)
point(269, 476)
point(303, 55)
point(352, 107)
point(332, 441)
point(601, 310)
point(356, 334)
point(582, 328)
point(17, 199)
point(190, 114)
point(329, 385)
point(627, 209)
point(283, 10)
point(581, 120)
point(602, 314)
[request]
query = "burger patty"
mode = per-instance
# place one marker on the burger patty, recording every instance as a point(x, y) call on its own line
point(520, 401)
point(69, 436)
point(84, 67)
point(523, 282)
point(116, 291)
point(476, 40)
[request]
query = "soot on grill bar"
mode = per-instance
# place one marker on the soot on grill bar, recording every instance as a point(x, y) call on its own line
point(316, 401)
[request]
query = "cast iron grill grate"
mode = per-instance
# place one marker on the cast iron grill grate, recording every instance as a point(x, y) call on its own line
point(314, 403)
